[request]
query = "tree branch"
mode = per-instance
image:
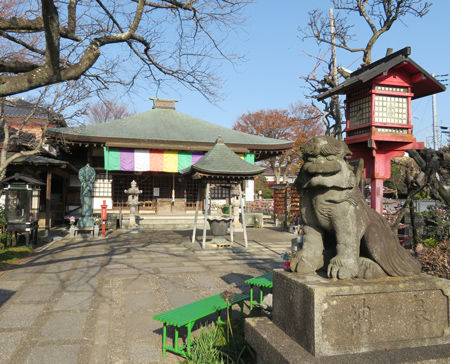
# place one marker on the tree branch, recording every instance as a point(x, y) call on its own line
point(51, 28)
point(16, 66)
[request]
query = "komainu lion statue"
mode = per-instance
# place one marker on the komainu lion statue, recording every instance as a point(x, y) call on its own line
point(341, 233)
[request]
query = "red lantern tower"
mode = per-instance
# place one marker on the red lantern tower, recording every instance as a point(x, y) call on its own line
point(378, 113)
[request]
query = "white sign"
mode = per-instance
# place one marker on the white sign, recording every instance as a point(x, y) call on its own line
point(155, 191)
point(249, 190)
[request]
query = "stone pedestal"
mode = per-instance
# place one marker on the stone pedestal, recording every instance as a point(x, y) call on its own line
point(328, 318)
point(219, 227)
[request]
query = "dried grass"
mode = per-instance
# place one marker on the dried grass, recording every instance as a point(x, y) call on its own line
point(435, 261)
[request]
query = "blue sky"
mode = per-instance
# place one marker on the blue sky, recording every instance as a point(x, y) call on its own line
point(275, 61)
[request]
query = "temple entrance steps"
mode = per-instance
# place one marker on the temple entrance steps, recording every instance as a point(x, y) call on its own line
point(165, 222)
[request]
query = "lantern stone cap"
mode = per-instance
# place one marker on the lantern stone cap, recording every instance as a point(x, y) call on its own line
point(422, 82)
point(17, 177)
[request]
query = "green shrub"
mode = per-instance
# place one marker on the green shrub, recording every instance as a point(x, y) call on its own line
point(430, 243)
point(214, 345)
point(4, 236)
point(205, 348)
point(435, 225)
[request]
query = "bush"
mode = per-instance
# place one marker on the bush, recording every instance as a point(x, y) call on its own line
point(214, 345)
point(435, 225)
point(435, 260)
point(205, 348)
point(430, 243)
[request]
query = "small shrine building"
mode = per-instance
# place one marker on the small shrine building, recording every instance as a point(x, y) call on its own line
point(378, 113)
point(152, 148)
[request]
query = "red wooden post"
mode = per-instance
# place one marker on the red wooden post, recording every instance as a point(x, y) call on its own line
point(104, 217)
point(376, 198)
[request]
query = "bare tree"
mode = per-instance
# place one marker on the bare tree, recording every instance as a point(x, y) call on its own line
point(379, 15)
point(66, 40)
point(335, 31)
point(26, 136)
point(105, 110)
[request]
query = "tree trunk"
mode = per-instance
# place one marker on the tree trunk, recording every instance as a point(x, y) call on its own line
point(412, 216)
point(277, 173)
point(423, 166)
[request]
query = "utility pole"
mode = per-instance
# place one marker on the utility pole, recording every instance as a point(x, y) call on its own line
point(435, 122)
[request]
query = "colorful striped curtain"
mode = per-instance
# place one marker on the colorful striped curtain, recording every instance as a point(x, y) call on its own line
point(145, 160)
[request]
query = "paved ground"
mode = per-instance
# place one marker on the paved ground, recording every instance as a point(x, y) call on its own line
point(92, 301)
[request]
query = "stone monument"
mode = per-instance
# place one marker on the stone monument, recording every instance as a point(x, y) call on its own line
point(86, 175)
point(354, 295)
point(133, 201)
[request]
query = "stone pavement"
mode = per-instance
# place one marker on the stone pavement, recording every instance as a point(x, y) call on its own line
point(92, 301)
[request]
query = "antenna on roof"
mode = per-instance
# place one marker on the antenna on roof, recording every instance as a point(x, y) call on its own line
point(163, 103)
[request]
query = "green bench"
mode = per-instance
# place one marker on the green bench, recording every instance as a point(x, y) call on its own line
point(264, 281)
point(186, 316)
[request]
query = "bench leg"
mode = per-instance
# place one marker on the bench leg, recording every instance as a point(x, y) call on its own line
point(219, 319)
point(164, 341)
point(261, 295)
point(251, 298)
point(241, 305)
point(188, 340)
point(175, 339)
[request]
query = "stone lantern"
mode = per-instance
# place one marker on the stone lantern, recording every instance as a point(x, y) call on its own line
point(22, 204)
point(133, 201)
point(378, 113)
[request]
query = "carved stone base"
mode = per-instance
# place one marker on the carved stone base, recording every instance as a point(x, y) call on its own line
point(85, 222)
point(272, 345)
point(354, 316)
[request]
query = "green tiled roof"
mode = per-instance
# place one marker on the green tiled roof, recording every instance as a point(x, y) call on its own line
point(221, 160)
point(163, 125)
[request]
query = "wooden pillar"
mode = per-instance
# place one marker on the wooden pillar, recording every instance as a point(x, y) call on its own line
point(231, 221)
point(89, 155)
point(48, 199)
point(376, 197)
point(197, 203)
point(206, 210)
point(64, 193)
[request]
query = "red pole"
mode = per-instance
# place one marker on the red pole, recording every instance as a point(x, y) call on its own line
point(104, 217)
point(376, 197)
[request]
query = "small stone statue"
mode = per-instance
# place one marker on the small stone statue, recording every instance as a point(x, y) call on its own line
point(342, 234)
point(86, 175)
point(133, 201)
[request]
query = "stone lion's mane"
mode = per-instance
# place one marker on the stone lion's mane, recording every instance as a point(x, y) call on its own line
point(332, 147)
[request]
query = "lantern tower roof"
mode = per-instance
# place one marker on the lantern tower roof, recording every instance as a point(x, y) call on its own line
point(422, 83)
